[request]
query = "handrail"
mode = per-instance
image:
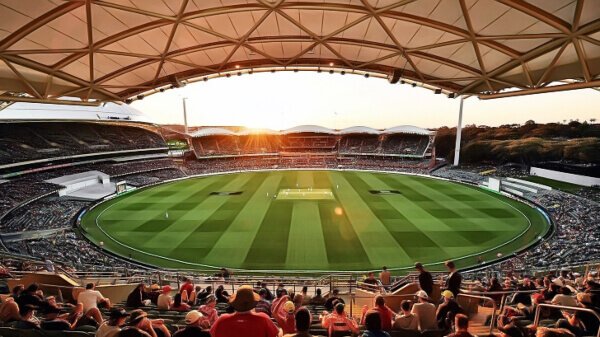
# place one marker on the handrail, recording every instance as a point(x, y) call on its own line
point(555, 306)
point(485, 298)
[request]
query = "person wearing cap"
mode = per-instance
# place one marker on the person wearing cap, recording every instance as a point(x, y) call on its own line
point(425, 311)
point(112, 326)
point(153, 294)
point(195, 322)
point(425, 279)
point(138, 320)
point(406, 320)
point(28, 320)
point(284, 315)
point(303, 320)
point(447, 310)
point(244, 322)
point(386, 314)
point(188, 288)
point(338, 320)
point(461, 326)
point(208, 309)
point(54, 321)
point(164, 300)
point(263, 304)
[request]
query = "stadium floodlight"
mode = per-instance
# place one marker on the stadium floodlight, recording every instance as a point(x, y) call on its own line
point(343, 72)
point(140, 97)
point(451, 95)
point(437, 91)
point(367, 75)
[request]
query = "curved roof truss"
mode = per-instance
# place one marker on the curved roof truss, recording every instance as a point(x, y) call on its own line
point(113, 50)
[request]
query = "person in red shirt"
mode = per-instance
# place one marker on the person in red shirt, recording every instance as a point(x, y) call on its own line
point(244, 322)
point(385, 313)
point(284, 315)
point(188, 288)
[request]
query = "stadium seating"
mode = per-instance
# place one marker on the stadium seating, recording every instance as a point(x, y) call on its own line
point(27, 141)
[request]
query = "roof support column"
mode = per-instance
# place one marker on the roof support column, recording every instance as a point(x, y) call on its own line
point(458, 133)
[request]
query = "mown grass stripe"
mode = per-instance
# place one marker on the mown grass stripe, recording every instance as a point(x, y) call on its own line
point(233, 246)
point(306, 245)
point(380, 246)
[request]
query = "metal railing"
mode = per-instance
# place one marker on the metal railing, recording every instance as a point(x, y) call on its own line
point(484, 298)
point(538, 309)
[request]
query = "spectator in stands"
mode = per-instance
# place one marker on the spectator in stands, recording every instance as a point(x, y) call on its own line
point(572, 323)
point(495, 286)
point(318, 299)
point(221, 294)
point(164, 300)
point(204, 293)
point(425, 279)
point(153, 294)
point(281, 294)
point(284, 316)
point(303, 320)
point(53, 321)
point(371, 280)
point(553, 332)
point(406, 320)
point(461, 326)
point(244, 322)
point(588, 320)
point(386, 314)
point(139, 322)
point(454, 279)
point(509, 330)
point(112, 326)
point(135, 298)
point(178, 304)
point(208, 309)
point(447, 310)
point(9, 310)
point(524, 297)
point(564, 297)
point(338, 320)
point(17, 290)
point(187, 291)
point(332, 300)
point(195, 322)
point(425, 312)
point(32, 295)
point(90, 298)
point(298, 299)
point(305, 296)
point(385, 277)
point(373, 325)
point(28, 320)
point(263, 304)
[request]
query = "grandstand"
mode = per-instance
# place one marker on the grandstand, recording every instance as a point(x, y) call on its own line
point(325, 224)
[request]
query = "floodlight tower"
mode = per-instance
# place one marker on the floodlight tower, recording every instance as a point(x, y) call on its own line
point(185, 122)
point(458, 134)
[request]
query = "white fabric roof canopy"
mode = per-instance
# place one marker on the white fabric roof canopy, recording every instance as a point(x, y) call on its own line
point(117, 49)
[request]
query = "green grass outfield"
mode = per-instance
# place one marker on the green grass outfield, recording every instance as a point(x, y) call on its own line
point(430, 221)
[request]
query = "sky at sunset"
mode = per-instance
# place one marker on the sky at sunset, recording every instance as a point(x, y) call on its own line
point(286, 99)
